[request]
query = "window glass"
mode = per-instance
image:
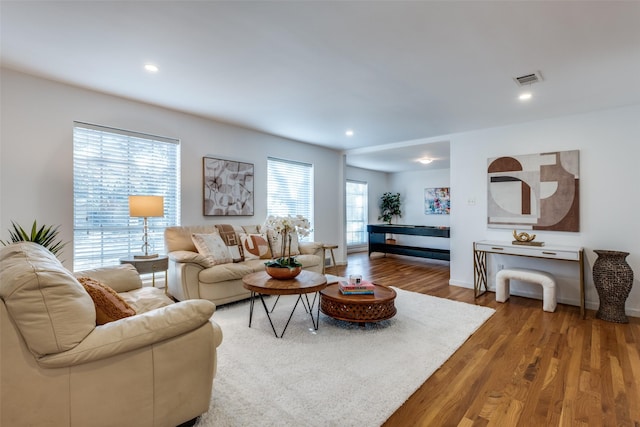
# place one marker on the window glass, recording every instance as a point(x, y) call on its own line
point(357, 213)
point(109, 165)
point(290, 189)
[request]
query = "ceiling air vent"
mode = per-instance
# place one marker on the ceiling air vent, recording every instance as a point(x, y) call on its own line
point(528, 79)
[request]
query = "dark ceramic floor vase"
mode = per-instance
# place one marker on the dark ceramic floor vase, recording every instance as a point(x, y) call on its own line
point(613, 279)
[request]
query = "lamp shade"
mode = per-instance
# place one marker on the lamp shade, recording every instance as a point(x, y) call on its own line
point(146, 206)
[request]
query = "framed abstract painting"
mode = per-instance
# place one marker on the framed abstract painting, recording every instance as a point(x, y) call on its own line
point(436, 201)
point(534, 191)
point(227, 187)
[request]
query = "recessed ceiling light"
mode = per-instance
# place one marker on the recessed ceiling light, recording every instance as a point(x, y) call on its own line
point(525, 96)
point(151, 68)
point(425, 160)
point(349, 132)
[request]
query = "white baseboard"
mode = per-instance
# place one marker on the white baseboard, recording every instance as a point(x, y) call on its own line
point(590, 305)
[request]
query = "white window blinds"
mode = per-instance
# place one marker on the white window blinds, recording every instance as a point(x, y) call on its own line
point(290, 189)
point(357, 212)
point(108, 166)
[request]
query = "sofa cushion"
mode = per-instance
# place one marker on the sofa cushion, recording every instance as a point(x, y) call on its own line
point(120, 278)
point(109, 305)
point(229, 271)
point(178, 238)
point(212, 247)
point(49, 306)
point(308, 260)
point(146, 299)
point(255, 246)
point(251, 229)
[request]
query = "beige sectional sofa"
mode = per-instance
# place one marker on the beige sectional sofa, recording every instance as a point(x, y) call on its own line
point(191, 277)
point(58, 368)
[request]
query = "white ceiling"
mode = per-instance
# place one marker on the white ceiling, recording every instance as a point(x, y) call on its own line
point(401, 156)
point(393, 71)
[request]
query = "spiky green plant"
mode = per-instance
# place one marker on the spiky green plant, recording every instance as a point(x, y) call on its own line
point(46, 236)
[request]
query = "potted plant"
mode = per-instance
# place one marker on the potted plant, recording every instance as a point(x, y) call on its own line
point(286, 265)
point(46, 236)
point(389, 207)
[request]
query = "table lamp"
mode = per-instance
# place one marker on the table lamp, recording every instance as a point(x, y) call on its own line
point(145, 207)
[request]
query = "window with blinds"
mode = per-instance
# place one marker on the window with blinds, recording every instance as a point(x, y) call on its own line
point(357, 212)
point(290, 189)
point(109, 165)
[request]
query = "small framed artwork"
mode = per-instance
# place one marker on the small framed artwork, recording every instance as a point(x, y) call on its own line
point(436, 201)
point(227, 187)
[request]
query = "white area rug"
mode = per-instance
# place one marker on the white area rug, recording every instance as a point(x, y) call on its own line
point(342, 374)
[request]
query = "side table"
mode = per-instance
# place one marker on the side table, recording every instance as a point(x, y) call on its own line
point(326, 248)
point(150, 265)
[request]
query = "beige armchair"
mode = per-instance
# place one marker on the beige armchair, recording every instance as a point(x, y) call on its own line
point(57, 368)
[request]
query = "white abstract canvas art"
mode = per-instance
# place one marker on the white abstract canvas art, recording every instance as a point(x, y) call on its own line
point(227, 187)
point(534, 191)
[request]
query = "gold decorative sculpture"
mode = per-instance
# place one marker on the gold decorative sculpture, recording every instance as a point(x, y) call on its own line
point(523, 238)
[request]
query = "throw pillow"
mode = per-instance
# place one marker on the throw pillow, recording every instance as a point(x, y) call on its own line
point(212, 248)
point(109, 305)
point(275, 242)
point(255, 246)
point(228, 234)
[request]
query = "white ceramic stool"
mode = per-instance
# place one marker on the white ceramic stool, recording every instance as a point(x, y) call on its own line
point(544, 279)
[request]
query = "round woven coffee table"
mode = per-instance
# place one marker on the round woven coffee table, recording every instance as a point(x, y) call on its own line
point(358, 308)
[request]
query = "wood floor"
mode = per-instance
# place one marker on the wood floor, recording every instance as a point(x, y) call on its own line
point(523, 367)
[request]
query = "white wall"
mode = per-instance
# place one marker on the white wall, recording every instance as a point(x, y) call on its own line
point(411, 186)
point(36, 165)
point(609, 203)
point(36, 173)
point(377, 184)
point(609, 144)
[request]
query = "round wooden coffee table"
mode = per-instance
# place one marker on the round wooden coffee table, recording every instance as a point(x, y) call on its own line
point(358, 308)
point(306, 282)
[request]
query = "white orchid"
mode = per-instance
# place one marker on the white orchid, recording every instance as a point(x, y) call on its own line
point(285, 225)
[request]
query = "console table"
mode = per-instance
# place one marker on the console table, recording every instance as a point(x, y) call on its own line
point(377, 239)
point(557, 252)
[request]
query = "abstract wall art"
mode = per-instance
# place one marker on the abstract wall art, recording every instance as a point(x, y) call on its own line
point(227, 187)
point(436, 201)
point(535, 191)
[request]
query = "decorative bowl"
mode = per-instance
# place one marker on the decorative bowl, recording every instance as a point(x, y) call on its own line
point(283, 273)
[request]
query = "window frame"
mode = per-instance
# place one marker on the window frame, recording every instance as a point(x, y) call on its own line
point(291, 175)
point(364, 219)
point(109, 164)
